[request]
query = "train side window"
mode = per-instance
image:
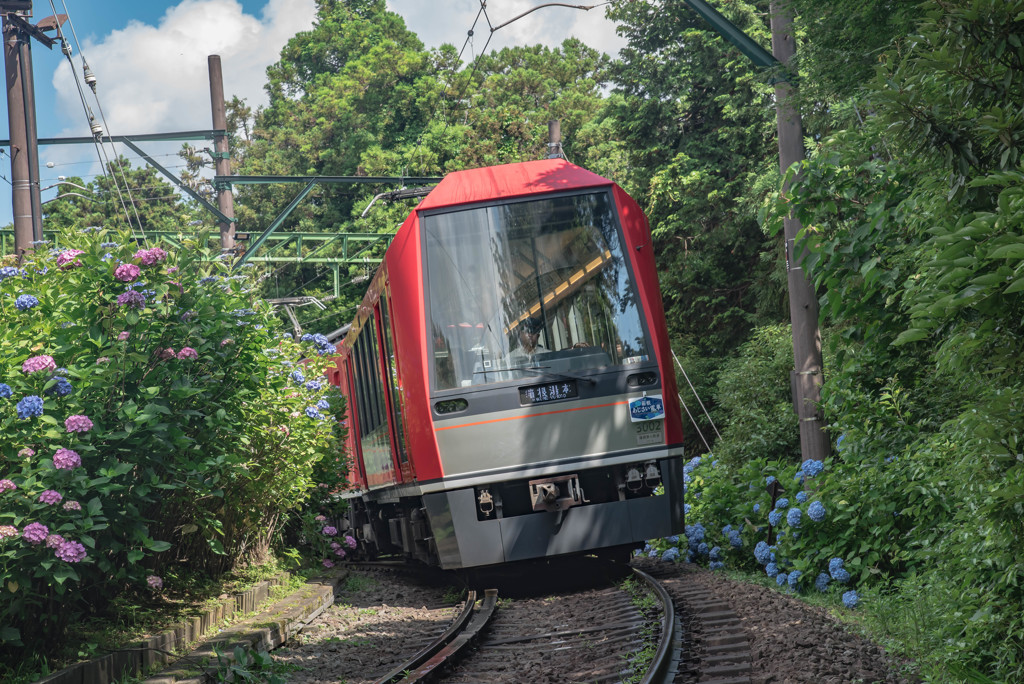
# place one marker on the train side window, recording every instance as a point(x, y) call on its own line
point(374, 436)
point(393, 384)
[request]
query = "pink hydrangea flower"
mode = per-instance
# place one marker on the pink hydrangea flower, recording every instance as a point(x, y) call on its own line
point(340, 553)
point(50, 497)
point(124, 335)
point(172, 269)
point(71, 552)
point(320, 518)
point(78, 424)
point(167, 353)
point(188, 353)
point(330, 531)
point(53, 541)
point(335, 545)
point(27, 452)
point(35, 533)
point(72, 506)
point(103, 359)
point(8, 531)
point(69, 258)
point(328, 563)
point(226, 341)
point(66, 459)
point(151, 256)
point(155, 582)
point(34, 364)
point(127, 272)
point(6, 485)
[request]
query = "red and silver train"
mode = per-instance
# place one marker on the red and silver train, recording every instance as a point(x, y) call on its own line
point(509, 378)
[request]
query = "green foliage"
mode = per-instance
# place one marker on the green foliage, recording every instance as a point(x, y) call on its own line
point(246, 665)
point(180, 413)
point(696, 121)
point(754, 403)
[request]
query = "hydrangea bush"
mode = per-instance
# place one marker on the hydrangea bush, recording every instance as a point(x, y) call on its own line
point(148, 415)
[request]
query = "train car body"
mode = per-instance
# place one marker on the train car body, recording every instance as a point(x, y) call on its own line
point(509, 378)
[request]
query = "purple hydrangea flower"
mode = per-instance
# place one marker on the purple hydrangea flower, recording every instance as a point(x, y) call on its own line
point(132, 299)
point(50, 497)
point(330, 531)
point(6, 485)
point(78, 423)
point(35, 533)
point(66, 459)
point(71, 552)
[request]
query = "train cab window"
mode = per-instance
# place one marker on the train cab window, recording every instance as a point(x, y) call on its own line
point(530, 287)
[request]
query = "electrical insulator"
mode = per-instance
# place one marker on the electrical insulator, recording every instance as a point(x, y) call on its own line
point(97, 128)
point(90, 78)
point(65, 47)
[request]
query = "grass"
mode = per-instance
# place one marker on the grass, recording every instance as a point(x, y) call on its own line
point(647, 603)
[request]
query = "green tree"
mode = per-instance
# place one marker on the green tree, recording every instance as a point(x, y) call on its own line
point(696, 120)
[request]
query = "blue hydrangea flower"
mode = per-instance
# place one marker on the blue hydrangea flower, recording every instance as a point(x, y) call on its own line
point(771, 569)
point(781, 578)
point(816, 511)
point(297, 376)
point(775, 517)
point(30, 407)
point(62, 388)
point(695, 532)
point(842, 576)
point(686, 509)
point(793, 517)
point(323, 405)
point(757, 508)
point(801, 497)
point(715, 553)
point(726, 530)
point(793, 578)
point(799, 477)
point(312, 412)
point(768, 480)
point(716, 565)
point(813, 468)
point(207, 279)
point(25, 302)
point(761, 552)
point(834, 566)
point(8, 272)
point(821, 584)
point(5, 391)
point(674, 539)
point(782, 503)
point(735, 540)
point(851, 599)
point(703, 549)
point(671, 554)
point(314, 385)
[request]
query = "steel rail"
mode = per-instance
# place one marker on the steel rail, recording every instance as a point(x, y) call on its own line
point(428, 663)
point(662, 669)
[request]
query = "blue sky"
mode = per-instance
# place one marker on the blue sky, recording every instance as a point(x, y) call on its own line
point(150, 59)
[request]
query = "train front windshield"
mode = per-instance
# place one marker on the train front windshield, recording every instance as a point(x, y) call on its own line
point(520, 290)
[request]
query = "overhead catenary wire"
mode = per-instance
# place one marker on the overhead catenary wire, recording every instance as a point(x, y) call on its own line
point(694, 390)
point(66, 49)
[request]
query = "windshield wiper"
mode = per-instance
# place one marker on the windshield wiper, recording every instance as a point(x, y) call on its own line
point(560, 374)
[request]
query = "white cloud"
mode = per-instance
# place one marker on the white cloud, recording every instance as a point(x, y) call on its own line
point(155, 78)
point(447, 21)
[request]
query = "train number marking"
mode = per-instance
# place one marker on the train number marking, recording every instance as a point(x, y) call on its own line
point(650, 432)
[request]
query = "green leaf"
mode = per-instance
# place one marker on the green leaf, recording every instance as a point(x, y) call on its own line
point(135, 555)
point(1012, 251)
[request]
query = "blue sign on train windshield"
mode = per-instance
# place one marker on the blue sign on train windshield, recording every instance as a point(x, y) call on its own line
point(646, 408)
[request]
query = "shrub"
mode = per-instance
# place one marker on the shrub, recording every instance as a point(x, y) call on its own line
point(147, 417)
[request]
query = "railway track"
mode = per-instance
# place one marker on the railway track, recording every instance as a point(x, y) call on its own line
point(595, 635)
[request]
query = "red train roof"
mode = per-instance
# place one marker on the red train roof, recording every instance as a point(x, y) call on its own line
point(509, 180)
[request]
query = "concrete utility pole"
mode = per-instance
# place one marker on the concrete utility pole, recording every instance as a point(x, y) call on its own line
point(17, 32)
point(803, 303)
point(221, 154)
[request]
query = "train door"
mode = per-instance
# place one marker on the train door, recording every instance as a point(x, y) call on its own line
point(346, 383)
